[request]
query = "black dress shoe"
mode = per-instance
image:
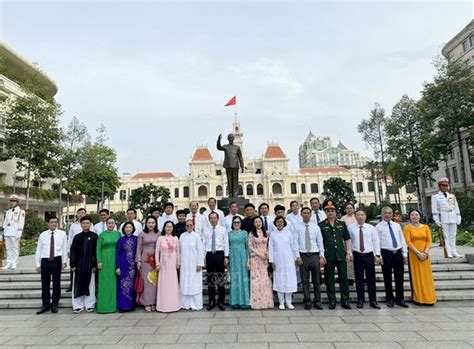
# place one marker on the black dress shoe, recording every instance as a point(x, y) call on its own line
point(390, 303)
point(69, 289)
point(211, 305)
point(221, 306)
point(54, 309)
point(350, 282)
point(346, 305)
point(43, 310)
point(360, 305)
point(318, 305)
point(402, 304)
point(374, 305)
point(307, 306)
point(332, 306)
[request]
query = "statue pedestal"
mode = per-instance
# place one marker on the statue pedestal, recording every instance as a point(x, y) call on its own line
point(223, 204)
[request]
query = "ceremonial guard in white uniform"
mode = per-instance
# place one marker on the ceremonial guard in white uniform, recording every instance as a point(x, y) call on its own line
point(13, 224)
point(446, 215)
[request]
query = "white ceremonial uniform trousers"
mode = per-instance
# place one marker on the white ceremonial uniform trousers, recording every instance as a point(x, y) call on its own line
point(284, 298)
point(85, 302)
point(12, 246)
point(449, 231)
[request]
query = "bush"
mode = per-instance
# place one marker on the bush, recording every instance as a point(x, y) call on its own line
point(27, 247)
point(466, 206)
point(34, 225)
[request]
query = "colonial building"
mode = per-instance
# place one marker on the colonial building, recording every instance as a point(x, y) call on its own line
point(319, 152)
point(15, 68)
point(460, 47)
point(265, 179)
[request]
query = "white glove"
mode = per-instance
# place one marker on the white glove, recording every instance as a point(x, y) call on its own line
point(18, 235)
point(459, 220)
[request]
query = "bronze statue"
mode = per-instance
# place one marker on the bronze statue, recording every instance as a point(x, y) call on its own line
point(232, 162)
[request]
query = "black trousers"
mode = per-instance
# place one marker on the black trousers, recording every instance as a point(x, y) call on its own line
point(51, 269)
point(233, 181)
point(311, 265)
point(364, 262)
point(393, 262)
point(215, 276)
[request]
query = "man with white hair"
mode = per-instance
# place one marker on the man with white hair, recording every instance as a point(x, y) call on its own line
point(12, 230)
point(446, 215)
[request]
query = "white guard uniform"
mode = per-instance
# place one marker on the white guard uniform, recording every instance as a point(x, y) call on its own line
point(12, 230)
point(446, 213)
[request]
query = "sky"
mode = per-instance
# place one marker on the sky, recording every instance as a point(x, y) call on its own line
point(157, 74)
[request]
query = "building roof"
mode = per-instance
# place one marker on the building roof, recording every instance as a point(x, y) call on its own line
point(152, 175)
point(309, 137)
point(19, 68)
point(274, 151)
point(456, 40)
point(331, 169)
point(341, 146)
point(202, 154)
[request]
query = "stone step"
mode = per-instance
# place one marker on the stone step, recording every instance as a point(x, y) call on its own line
point(442, 296)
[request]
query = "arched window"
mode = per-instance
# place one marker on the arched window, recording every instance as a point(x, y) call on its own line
point(303, 188)
point(241, 190)
point(202, 191)
point(219, 191)
point(249, 190)
point(314, 188)
point(277, 189)
point(259, 189)
point(293, 188)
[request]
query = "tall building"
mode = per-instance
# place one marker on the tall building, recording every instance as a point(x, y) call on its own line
point(15, 69)
point(319, 152)
point(265, 179)
point(459, 48)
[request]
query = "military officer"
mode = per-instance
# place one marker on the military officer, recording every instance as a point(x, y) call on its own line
point(336, 241)
point(12, 229)
point(446, 215)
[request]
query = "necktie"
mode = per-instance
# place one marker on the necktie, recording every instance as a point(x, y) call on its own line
point(361, 240)
point(51, 247)
point(213, 245)
point(307, 239)
point(445, 195)
point(392, 235)
point(265, 224)
point(317, 216)
point(194, 219)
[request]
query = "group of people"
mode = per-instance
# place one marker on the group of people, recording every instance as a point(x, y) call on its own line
point(159, 265)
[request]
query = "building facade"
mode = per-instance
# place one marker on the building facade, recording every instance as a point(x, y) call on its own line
point(266, 179)
point(319, 152)
point(11, 180)
point(459, 48)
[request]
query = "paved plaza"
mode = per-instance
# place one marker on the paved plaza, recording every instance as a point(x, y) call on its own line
point(446, 325)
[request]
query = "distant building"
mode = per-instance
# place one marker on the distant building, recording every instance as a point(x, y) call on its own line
point(319, 152)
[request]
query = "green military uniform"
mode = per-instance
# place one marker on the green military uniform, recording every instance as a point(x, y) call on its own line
point(334, 237)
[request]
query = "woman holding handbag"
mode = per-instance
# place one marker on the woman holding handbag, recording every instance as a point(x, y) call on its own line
point(147, 279)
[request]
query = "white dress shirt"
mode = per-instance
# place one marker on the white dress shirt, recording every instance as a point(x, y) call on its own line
point(101, 227)
point(386, 240)
point(321, 215)
point(228, 221)
point(164, 218)
point(219, 212)
point(371, 238)
point(137, 225)
point(44, 245)
point(270, 220)
point(200, 223)
point(222, 240)
point(315, 236)
point(295, 220)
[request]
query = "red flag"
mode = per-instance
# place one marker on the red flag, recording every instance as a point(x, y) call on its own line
point(233, 101)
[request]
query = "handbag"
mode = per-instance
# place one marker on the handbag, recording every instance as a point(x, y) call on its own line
point(139, 284)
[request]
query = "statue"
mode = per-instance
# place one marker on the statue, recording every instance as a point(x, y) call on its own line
point(232, 162)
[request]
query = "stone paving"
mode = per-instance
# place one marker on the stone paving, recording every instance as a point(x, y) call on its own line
point(445, 325)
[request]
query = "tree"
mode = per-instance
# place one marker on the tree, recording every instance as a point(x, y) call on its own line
point(340, 192)
point(409, 143)
point(373, 134)
point(148, 196)
point(97, 177)
point(32, 136)
point(74, 140)
point(448, 102)
point(375, 171)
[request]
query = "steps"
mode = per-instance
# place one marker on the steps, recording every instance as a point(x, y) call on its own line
point(454, 281)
